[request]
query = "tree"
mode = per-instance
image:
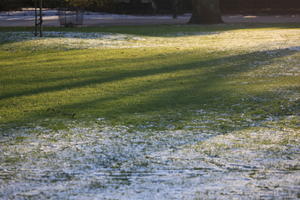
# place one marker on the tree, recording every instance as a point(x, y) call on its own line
point(206, 12)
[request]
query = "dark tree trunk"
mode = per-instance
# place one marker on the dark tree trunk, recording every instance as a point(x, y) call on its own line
point(206, 12)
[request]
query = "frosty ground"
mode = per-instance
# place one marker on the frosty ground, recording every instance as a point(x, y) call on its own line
point(153, 112)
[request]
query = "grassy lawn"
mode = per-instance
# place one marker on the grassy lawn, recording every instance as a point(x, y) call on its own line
point(237, 83)
point(152, 75)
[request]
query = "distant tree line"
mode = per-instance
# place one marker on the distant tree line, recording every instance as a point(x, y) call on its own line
point(162, 6)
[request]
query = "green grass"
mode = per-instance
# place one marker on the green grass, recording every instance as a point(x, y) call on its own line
point(160, 80)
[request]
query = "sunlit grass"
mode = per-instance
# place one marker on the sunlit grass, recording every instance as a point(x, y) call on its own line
point(161, 74)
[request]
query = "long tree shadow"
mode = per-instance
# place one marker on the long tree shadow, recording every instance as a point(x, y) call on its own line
point(200, 83)
point(240, 61)
point(194, 89)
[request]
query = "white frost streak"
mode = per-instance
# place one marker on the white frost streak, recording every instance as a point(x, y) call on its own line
point(249, 41)
point(71, 40)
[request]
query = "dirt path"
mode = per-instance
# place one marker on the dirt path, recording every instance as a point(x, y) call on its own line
point(113, 20)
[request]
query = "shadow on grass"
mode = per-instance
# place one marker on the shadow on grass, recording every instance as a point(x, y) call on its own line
point(223, 64)
point(190, 84)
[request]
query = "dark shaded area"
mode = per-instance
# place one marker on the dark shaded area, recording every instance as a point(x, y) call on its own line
point(18, 4)
point(227, 7)
point(206, 12)
point(260, 6)
point(165, 6)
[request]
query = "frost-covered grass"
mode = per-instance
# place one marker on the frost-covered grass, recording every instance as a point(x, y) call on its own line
point(168, 112)
point(106, 162)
